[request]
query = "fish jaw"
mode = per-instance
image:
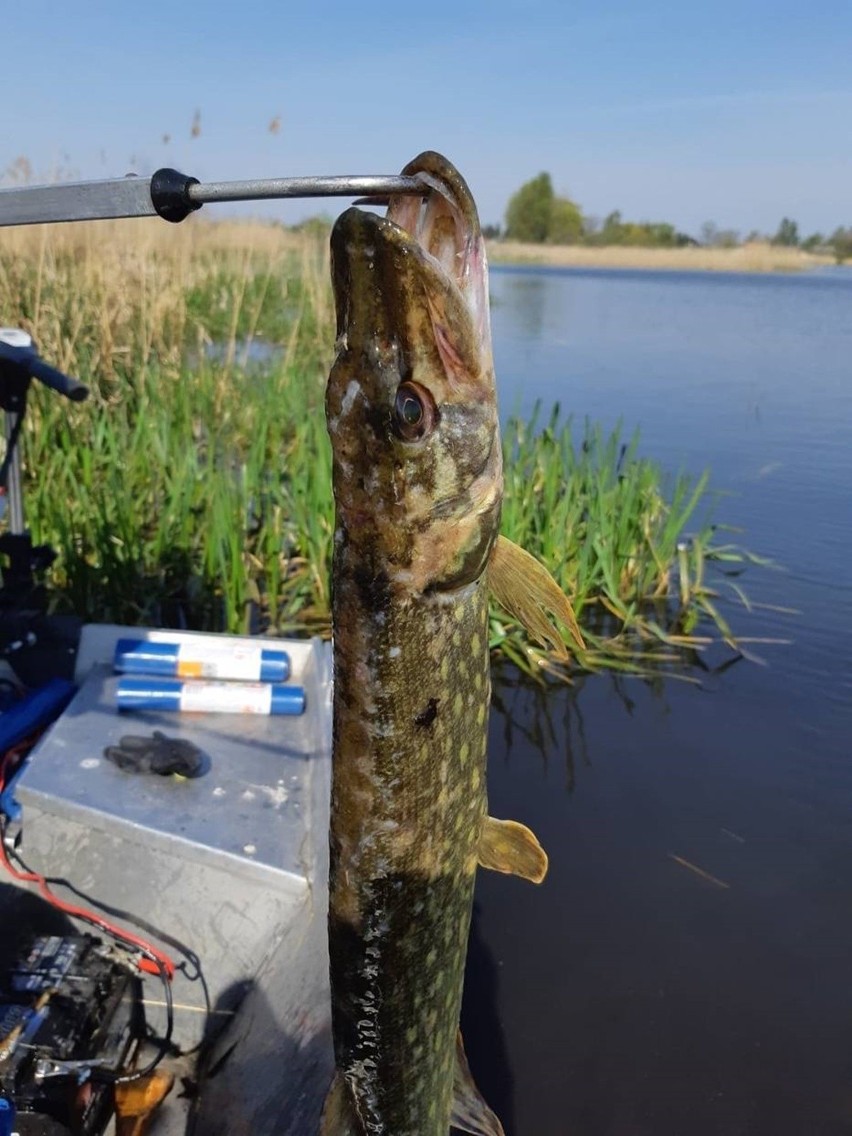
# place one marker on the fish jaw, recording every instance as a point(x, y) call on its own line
point(412, 319)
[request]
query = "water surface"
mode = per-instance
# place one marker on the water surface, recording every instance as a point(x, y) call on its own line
point(632, 994)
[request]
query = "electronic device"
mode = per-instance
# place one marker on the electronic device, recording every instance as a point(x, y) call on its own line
point(70, 1014)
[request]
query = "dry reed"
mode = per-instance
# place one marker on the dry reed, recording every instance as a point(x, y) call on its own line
point(753, 257)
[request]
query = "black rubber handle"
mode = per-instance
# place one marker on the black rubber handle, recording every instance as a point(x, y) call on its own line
point(170, 196)
point(56, 380)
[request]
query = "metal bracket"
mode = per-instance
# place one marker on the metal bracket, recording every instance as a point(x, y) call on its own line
point(173, 195)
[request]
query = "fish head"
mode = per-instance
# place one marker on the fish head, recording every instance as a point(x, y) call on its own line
point(411, 402)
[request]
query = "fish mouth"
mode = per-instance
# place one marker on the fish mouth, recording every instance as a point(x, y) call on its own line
point(431, 244)
point(444, 223)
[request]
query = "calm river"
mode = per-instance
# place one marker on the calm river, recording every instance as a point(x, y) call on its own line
point(630, 994)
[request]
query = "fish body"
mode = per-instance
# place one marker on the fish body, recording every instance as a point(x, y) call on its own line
point(417, 472)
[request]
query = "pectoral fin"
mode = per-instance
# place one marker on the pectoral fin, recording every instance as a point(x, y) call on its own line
point(525, 588)
point(338, 1114)
point(507, 846)
point(470, 1112)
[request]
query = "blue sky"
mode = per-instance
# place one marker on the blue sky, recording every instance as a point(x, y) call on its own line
point(733, 112)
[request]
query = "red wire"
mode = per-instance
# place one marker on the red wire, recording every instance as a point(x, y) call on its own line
point(156, 962)
point(158, 959)
point(15, 751)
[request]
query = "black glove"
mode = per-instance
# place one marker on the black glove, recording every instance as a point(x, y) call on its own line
point(157, 754)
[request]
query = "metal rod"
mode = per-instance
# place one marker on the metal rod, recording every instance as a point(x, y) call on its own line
point(145, 196)
point(257, 189)
point(14, 488)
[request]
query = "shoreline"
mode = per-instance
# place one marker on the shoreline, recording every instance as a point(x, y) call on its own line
point(755, 257)
point(261, 237)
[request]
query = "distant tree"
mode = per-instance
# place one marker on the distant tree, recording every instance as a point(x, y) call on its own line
point(815, 240)
point(708, 233)
point(754, 237)
point(788, 233)
point(841, 242)
point(529, 211)
point(491, 232)
point(714, 237)
point(566, 222)
point(612, 230)
point(660, 233)
point(727, 238)
point(536, 214)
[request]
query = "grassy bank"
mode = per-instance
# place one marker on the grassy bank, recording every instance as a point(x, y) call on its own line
point(756, 257)
point(193, 489)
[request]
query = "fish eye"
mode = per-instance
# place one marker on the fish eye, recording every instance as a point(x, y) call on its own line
point(414, 411)
point(409, 408)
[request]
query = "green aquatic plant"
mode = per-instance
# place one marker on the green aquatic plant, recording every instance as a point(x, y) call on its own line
point(194, 488)
point(630, 546)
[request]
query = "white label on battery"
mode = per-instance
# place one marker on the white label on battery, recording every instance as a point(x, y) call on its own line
point(239, 663)
point(226, 698)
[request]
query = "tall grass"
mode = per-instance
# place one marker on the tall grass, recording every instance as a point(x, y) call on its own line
point(193, 489)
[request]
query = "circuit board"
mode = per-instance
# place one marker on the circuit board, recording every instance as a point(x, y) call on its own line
point(68, 1004)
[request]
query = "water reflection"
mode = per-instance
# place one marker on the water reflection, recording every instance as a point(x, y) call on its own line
point(691, 941)
point(548, 718)
point(525, 298)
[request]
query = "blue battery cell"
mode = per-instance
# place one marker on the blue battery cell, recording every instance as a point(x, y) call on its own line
point(206, 659)
point(200, 697)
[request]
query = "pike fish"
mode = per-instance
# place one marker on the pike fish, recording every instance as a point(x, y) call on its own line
point(417, 472)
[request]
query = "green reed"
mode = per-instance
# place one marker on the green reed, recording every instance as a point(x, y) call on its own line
point(194, 488)
point(631, 548)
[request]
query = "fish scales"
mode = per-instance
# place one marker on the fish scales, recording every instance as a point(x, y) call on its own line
point(410, 863)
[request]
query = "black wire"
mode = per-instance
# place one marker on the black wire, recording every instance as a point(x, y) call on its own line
point(128, 916)
point(164, 1046)
point(116, 912)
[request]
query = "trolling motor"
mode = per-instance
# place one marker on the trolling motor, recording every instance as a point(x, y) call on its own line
point(24, 623)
